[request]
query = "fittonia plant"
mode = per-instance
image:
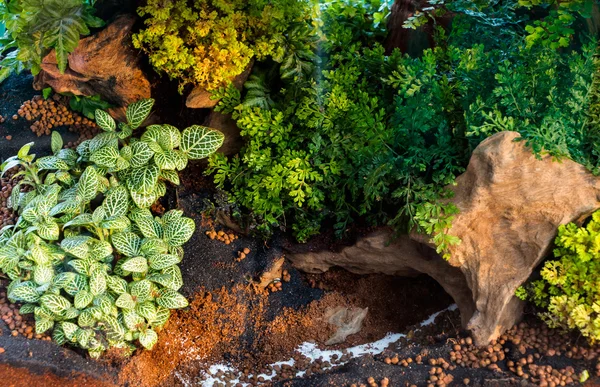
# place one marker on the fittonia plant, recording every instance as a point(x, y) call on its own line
point(86, 256)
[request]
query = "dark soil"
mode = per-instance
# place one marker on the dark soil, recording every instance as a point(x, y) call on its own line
point(13, 92)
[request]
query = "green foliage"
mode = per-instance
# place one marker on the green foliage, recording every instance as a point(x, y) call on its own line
point(86, 256)
point(378, 137)
point(34, 27)
point(569, 285)
point(209, 42)
point(88, 105)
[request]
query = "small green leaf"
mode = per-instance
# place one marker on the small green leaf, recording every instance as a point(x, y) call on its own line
point(55, 303)
point(148, 338)
point(136, 265)
point(105, 121)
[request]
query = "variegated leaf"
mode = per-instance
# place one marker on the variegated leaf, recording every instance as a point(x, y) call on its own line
point(141, 290)
point(77, 284)
point(86, 319)
point(153, 246)
point(56, 142)
point(149, 228)
point(105, 121)
point(116, 284)
point(24, 293)
point(143, 201)
point(49, 230)
point(42, 274)
point(87, 185)
point(51, 163)
point(148, 338)
point(106, 156)
point(68, 206)
point(176, 279)
point(138, 111)
point(179, 231)
point(132, 320)
point(77, 245)
point(198, 142)
point(125, 301)
point(116, 202)
point(143, 180)
point(100, 141)
point(166, 160)
point(171, 299)
point(171, 176)
point(162, 261)
point(136, 265)
point(43, 325)
point(55, 303)
point(98, 282)
point(83, 299)
point(126, 243)
point(162, 316)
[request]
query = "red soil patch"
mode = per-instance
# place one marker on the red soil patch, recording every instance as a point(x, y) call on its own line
point(22, 377)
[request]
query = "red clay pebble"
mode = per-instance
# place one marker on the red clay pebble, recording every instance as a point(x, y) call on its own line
point(2, 350)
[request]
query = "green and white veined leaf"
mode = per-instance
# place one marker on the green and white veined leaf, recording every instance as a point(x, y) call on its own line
point(84, 151)
point(55, 303)
point(43, 325)
point(107, 156)
point(176, 279)
point(86, 319)
point(152, 137)
point(98, 214)
point(120, 223)
point(166, 160)
point(127, 153)
point(68, 155)
point(160, 190)
point(43, 312)
point(162, 316)
point(49, 230)
point(137, 112)
point(121, 165)
point(27, 309)
point(136, 265)
point(162, 261)
point(39, 255)
point(68, 206)
point(56, 142)
point(143, 180)
point(100, 141)
point(179, 231)
point(116, 202)
point(77, 245)
point(126, 243)
point(42, 274)
point(143, 201)
point(198, 142)
point(70, 313)
point(98, 282)
point(87, 187)
point(153, 246)
point(125, 301)
point(115, 331)
point(171, 216)
point(116, 284)
point(69, 330)
point(132, 320)
point(171, 176)
point(141, 290)
point(24, 293)
point(83, 337)
point(146, 309)
point(83, 299)
point(51, 163)
point(100, 250)
point(24, 151)
point(76, 284)
point(105, 121)
point(62, 279)
point(58, 335)
point(182, 160)
point(105, 302)
point(139, 213)
point(171, 299)
point(170, 137)
point(140, 154)
point(148, 338)
point(149, 228)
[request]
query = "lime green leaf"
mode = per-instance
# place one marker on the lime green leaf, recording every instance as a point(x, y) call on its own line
point(56, 142)
point(55, 303)
point(105, 121)
point(136, 265)
point(148, 338)
point(179, 231)
point(126, 243)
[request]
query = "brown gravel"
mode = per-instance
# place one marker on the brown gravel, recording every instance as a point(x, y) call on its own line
point(46, 115)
